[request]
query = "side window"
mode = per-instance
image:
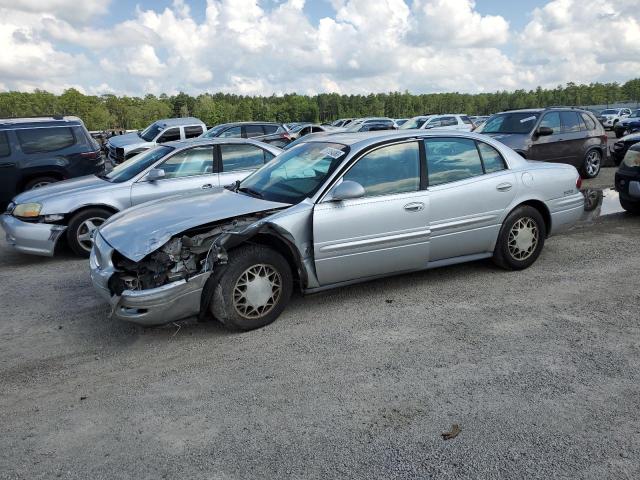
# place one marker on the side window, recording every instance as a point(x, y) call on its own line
point(5, 149)
point(269, 129)
point(194, 161)
point(451, 159)
point(233, 132)
point(268, 156)
point(38, 140)
point(491, 158)
point(192, 132)
point(466, 120)
point(169, 135)
point(570, 122)
point(588, 121)
point(388, 170)
point(241, 157)
point(254, 131)
point(317, 129)
point(551, 120)
point(448, 121)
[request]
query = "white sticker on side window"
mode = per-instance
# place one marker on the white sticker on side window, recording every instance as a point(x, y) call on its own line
point(332, 152)
point(528, 119)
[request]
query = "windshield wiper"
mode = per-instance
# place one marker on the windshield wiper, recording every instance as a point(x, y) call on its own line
point(250, 191)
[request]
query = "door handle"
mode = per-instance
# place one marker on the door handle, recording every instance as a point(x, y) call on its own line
point(206, 186)
point(504, 187)
point(414, 207)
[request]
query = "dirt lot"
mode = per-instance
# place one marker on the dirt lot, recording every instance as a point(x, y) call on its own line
point(540, 368)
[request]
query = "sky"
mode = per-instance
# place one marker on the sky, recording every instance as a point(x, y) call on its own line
point(264, 47)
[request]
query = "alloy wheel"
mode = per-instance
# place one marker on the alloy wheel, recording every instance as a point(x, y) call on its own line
point(592, 163)
point(44, 183)
point(86, 230)
point(257, 291)
point(523, 238)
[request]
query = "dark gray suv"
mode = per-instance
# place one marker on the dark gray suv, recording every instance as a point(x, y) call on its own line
point(562, 135)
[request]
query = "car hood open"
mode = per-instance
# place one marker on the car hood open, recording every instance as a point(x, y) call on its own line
point(140, 230)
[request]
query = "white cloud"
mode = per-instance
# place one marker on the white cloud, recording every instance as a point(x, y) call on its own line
point(263, 47)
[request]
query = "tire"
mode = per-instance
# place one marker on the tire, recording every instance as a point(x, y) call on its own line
point(591, 164)
point(79, 229)
point(630, 206)
point(39, 182)
point(514, 256)
point(232, 308)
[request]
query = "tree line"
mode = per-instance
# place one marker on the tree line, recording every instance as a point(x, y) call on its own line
point(105, 112)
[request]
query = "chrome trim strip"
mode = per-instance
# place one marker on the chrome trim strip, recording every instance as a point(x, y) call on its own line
point(339, 247)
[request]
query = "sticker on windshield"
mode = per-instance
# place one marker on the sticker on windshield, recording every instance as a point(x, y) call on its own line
point(332, 152)
point(528, 119)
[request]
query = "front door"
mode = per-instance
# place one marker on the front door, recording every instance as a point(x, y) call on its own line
point(385, 231)
point(469, 189)
point(550, 148)
point(188, 170)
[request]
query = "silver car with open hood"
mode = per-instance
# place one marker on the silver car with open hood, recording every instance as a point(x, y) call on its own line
point(337, 210)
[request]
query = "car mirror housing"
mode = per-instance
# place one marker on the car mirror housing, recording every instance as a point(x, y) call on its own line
point(155, 174)
point(544, 131)
point(348, 189)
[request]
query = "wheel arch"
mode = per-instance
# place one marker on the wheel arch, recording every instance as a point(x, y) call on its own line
point(82, 208)
point(541, 207)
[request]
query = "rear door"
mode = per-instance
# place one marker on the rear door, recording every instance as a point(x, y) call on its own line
point(384, 232)
point(469, 189)
point(190, 170)
point(8, 171)
point(238, 160)
point(575, 137)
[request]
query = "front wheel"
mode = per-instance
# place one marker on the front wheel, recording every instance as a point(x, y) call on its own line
point(253, 289)
point(630, 206)
point(82, 228)
point(592, 163)
point(521, 239)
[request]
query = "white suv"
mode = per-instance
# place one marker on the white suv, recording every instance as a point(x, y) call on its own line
point(447, 121)
point(611, 116)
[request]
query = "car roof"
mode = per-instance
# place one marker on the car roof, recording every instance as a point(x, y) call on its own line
point(24, 122)
point(248, 123)
point(216, 140)
point(173, 122)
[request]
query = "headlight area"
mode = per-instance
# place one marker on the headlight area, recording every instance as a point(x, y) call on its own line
point(632, 158)
point(30, 212)
point(180, 258)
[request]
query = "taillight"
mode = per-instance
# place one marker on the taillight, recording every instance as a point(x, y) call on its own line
point(91, 155)
point(579, 182)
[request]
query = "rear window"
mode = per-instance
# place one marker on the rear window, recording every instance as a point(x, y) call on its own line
point(5, 150)
point(38, 140)
point(591, 125)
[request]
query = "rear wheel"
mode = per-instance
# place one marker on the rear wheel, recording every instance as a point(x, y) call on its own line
point(254, 288)
point(592, 163)
point(82, 228)
point(39, 182)
point(630, 206)
point(521, 239)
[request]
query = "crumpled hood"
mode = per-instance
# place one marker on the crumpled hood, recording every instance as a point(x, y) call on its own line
point(516, 141)
point(66, 188)
point(140, 230)
point(126, 139)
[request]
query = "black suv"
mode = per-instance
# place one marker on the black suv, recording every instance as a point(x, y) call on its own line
point(558, 134)
point(37, 151)
point(275, 134)
point(628, 180)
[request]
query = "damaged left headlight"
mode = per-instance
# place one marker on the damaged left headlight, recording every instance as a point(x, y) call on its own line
point(27, 210)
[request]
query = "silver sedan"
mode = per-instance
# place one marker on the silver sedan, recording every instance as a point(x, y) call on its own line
point(36, 219)
point(337, 210)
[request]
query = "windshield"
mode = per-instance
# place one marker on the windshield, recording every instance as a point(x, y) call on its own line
point(150, 132)
point(135, 165)
point(214, 132)
point(415, 122)
point(295, 174)
point(610, 111)
point(521, 122)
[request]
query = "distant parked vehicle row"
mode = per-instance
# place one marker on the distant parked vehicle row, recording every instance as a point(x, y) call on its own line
point(630, 124)
point(611, 116)
point(275, 134)
point(447, 121)
point(35, 152)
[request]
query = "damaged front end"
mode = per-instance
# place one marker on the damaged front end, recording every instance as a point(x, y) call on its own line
point(166, 285)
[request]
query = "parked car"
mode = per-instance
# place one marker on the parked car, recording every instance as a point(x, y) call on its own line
point(400, 121)
point(631, 124)
point(341, 209)
point(561, 135)
point(371, 126)
point(275, 134)
point(611, 116)
point(302, 129)
point(36, 220)
point(442, 122)
point(627, 180)
point(124, 147)
point(343, 122)
point(37, 151)
point(619, 149)
point(365, 120)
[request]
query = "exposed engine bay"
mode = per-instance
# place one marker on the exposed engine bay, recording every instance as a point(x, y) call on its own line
point(192, 252)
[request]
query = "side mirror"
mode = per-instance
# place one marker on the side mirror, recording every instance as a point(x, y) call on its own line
point(544, 131)
point(155, 174)
point(347, 190)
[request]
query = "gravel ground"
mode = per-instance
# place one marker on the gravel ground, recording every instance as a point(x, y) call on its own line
point(540, 369)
